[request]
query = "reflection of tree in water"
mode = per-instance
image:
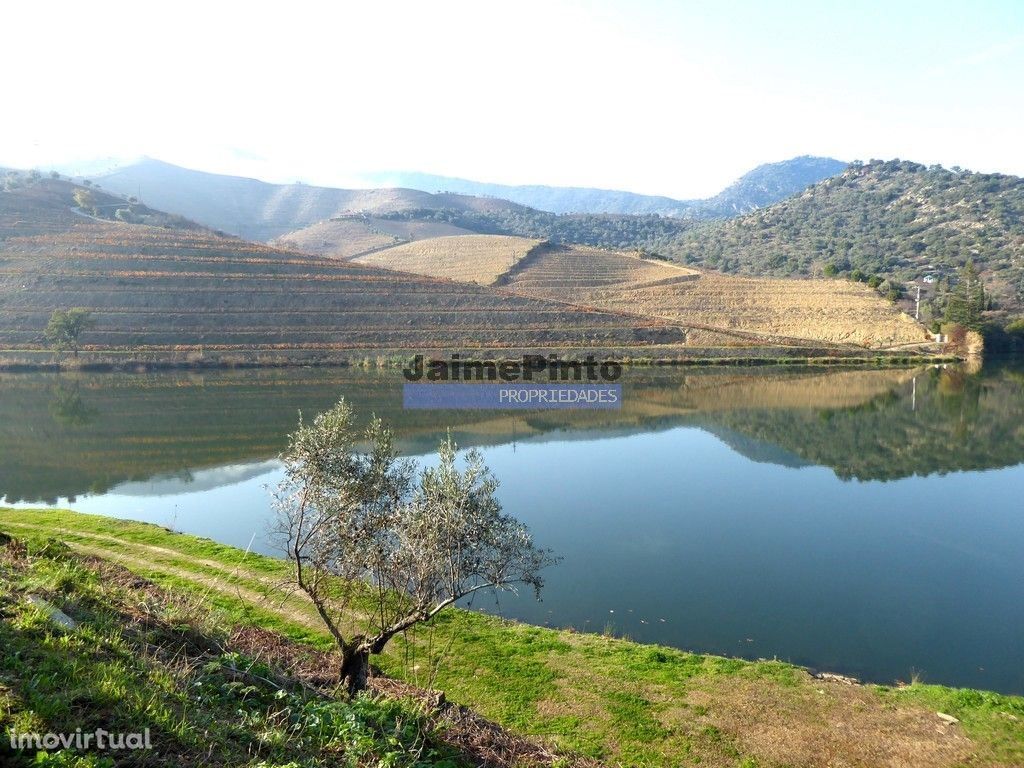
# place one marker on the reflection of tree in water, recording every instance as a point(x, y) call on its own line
point(67, 406)
point(959, 398)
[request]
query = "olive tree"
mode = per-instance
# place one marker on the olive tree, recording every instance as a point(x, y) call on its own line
point(65, 328)
point(379, 545)
point(85, 200)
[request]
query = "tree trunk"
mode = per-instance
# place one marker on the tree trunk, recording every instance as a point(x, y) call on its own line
point(355, 667)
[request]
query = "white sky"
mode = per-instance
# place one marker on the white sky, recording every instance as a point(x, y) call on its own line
point(675, 98)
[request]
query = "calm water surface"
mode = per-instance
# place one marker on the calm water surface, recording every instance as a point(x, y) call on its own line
point(865, 522)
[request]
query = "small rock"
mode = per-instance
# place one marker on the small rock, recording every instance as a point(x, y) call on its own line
point(834, 678)
point(949, 719)
point(56, 615)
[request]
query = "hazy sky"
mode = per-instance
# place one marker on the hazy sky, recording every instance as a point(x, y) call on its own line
point(673, 98)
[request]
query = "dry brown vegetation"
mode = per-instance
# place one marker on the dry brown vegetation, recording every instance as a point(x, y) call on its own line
point(564, 270)
point(716, 310)
point(152, 288)
point(341, 238)
point(835, 311)
point(772, 310)
point(819, 723)
point(186, 290)
point(469, 258)
point(349, 236)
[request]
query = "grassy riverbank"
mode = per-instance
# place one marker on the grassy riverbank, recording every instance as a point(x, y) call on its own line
point(143, 661)
point(606, 698)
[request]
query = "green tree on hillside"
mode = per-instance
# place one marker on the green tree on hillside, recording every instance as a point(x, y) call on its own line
point(65, 329)
point(967, 301)
point(84, 199)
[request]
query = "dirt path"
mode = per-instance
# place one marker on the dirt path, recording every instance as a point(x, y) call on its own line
point(235, 569)
point(260, 599)
point(274, 598)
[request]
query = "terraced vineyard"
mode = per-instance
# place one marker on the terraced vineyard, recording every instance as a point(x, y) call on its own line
point(558, 269)
point(339, 237)
point(183, 290)
point(836, 311)
point(717, 310)
point(36, 210)
point(157, 289)
point(775, 310)
point(480, 259)
point(348, 236)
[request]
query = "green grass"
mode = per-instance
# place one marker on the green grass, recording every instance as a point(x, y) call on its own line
point(168, 673)
point(988, 717)
point(603, 697)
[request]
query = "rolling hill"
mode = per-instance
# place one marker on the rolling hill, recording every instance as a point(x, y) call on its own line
point(182, 291)
point(260, 211)
point(715, 308)
point(347, 236)
point(478, 259)
point(36, 206)
point(158, 289)
point(762, 186)
point(895, 219)
point(904, 224)
point(649, 233)
point(770, 183)
point(778, 311)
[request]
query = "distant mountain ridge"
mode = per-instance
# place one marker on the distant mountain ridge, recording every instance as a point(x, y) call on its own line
point(770, 183)
point(261, 211)
point(764, 185)
point(538, 196)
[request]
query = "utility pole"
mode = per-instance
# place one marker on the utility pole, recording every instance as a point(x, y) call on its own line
point(917, 304)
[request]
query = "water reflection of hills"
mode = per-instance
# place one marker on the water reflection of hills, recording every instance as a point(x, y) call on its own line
point(64, 436)
point(945, 421)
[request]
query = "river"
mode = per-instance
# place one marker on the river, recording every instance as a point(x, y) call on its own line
point(867, 522)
